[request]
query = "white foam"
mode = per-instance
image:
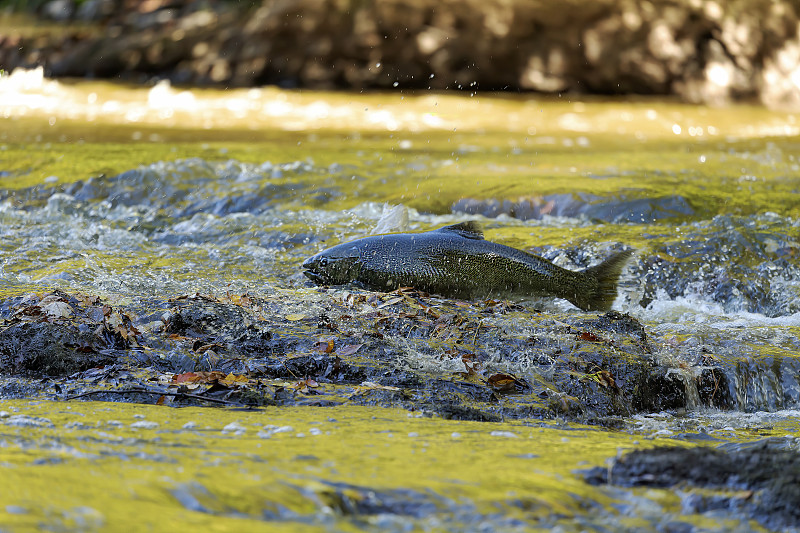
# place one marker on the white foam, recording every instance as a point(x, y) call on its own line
point(695, 309)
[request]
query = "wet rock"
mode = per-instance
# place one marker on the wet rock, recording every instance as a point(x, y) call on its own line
point(582, 368)
point(642, 210)
point(759, 480)
point(621, 323)
point(742, 263)
point(59, 334)
point(475, 361)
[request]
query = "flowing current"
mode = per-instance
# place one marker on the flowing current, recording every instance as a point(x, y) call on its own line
point(105, 191)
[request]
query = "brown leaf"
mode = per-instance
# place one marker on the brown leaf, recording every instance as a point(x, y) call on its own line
point(85, 299)
point(304, 385)
point(605, 379)
point(198, 377)
point(325, 345)
point(30, 310)
point(507, 383)
point(234, 379)
point(471, 366)
point(201, 347)
point(502, 382)
point(589, 336)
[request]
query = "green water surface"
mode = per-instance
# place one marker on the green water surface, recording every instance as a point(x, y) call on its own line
point(84, 466)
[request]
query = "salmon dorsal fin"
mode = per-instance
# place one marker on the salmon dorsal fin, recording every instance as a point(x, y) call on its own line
point(468, 230)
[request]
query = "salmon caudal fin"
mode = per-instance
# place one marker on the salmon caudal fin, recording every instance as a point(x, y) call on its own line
point(603, 278)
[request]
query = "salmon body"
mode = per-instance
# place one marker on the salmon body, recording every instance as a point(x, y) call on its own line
point(456, 262)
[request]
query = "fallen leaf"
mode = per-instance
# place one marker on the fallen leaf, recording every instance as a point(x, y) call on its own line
point(325, 345)
point(502, 382)
point(304, 385)
point(348, 349)
point(507, 383)
point(30, 310)
point(87, 300)
point(295, 317)
point(391, 301)
point(57, 310)
point(588, 336)
point(233, 379)
point(201, 347)
point(198, 377)
point(605, 379)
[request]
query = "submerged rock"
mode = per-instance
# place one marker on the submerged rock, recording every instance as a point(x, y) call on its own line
point(638, 210)
point(758, 480)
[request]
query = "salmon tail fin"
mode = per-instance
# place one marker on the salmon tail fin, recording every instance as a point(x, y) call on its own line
point(604, 278)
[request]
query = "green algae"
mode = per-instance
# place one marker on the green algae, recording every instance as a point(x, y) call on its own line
point(738, 160)
point(721, 183)
point(312, 474)
point(170, 477)
point(140, 467)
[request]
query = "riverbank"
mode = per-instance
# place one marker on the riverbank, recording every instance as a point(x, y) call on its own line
point(698, 51)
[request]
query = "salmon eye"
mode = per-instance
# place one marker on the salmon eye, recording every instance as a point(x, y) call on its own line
point(323, 262)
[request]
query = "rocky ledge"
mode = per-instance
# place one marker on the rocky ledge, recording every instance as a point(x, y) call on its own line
point(481, 361)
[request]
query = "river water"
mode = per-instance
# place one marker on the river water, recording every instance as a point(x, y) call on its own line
point(139, 194)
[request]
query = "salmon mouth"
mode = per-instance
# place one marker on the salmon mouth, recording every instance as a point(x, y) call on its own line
point(309, 267)
point(313, 276)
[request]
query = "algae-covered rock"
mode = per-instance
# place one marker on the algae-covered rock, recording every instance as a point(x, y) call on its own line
point(759, 480)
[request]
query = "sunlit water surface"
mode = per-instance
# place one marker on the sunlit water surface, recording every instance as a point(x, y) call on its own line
point(141, 194)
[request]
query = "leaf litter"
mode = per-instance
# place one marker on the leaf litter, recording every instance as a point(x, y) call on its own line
point(350, 347)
